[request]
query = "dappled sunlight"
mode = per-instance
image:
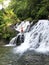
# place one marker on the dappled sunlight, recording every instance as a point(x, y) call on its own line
point(8, 24)
point(0, 6)
point(4, 4)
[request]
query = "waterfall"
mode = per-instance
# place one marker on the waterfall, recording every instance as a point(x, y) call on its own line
point(36, 39)
point(39, 36)
point(22, 24)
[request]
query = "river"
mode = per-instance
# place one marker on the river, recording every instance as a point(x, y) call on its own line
point(7, 57)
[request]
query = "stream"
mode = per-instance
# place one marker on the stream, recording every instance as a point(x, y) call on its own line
point(8, 57)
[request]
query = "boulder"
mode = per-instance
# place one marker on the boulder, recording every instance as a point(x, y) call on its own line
point(19, 39)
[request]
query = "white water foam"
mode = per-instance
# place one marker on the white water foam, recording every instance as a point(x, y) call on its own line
point(11, 43)
point(37, 39)
point(22, 24)
point(40, 36)
point(24, 46)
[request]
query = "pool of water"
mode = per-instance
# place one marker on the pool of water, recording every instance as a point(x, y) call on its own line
point(7, 57)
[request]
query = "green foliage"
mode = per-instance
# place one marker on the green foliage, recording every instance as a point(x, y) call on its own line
point(7, 18)
point(1, 0)
point(21, 14)
point(28, 19)
point(21, 10)
point(1, 17)
point(35, 9)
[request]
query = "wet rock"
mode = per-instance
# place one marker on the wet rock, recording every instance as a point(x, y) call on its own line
point(19, 39)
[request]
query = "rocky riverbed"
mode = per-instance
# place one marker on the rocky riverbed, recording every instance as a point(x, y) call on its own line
point(33, 58)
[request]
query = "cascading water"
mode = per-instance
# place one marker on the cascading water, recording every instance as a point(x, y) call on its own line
point(18, 28)
point(39, 36)
point(36, 39)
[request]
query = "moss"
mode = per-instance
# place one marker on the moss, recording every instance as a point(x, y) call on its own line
point(28, 19)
